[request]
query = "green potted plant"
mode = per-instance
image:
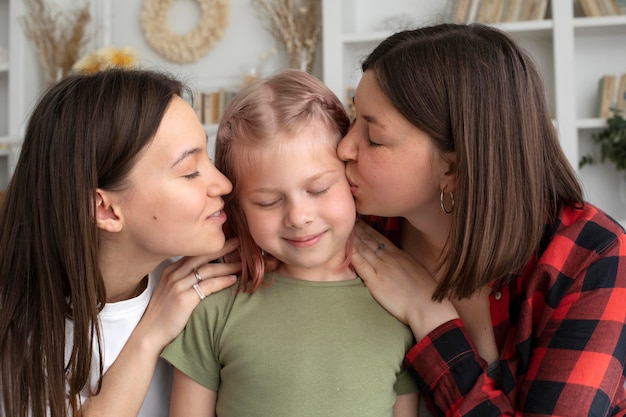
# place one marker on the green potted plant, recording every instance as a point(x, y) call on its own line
point(612, 143)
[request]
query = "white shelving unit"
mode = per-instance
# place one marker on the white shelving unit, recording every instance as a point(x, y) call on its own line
point(11, 99)
point(572, 51)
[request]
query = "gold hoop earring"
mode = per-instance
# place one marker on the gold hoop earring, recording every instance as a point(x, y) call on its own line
point(442, 204)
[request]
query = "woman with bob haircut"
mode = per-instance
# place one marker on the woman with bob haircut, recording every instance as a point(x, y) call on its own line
point(513, 285)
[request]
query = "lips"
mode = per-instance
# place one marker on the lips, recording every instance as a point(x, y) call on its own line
point(305, 241)
point(216, 214)
point(353, 186)
point(219, 215)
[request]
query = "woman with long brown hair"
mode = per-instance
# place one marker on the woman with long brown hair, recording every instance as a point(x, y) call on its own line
point(113, 179)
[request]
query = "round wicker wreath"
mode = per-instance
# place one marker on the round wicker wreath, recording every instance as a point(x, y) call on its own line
point(189, 47)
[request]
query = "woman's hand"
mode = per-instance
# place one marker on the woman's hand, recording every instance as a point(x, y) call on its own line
point(175, 296)
point(126, 382)
point(400, 284)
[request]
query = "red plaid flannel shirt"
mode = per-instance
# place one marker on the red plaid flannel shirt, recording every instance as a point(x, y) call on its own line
point(560, 327)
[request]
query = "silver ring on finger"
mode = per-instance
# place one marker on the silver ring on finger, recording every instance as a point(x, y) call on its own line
point(199, 292)
point(381, 246)
point(197, 275)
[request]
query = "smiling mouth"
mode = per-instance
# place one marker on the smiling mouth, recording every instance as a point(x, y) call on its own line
point(305, 241)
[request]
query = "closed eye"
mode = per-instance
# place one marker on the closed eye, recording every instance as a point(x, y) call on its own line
point(192, 175)
point(372, 143)
point(320, 192)
point(269, 204)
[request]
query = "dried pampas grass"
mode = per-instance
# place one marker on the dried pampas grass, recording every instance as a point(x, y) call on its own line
point(58, 35)
point(296, 24)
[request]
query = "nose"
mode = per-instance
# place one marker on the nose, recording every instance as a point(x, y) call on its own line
point(298, 214)
point(347, 148)
point(218, 185)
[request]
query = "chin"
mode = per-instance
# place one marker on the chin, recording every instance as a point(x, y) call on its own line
point(214, 243)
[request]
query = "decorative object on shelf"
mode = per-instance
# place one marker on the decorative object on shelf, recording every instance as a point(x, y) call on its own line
point(296, 24)
point(189, 47)
point(612, 142)
point(105, 58)
point(58, 35)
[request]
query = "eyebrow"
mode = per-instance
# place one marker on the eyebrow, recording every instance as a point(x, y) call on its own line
point(372, 119)
point(184, 155)
point(188, 153)
point(311, 179)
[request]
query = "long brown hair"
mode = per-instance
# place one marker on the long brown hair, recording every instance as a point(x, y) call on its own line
point(84, 133)
point(478, 94)
point(281, 104)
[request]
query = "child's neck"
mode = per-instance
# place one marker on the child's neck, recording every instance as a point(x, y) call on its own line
point(319, 274)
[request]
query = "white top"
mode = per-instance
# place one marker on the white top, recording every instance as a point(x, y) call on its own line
point(117, 321)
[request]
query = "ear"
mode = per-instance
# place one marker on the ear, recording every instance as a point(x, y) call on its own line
point(108, 217)
point(447, 181)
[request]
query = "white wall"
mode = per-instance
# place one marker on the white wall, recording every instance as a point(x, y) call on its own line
point(244, 40)
point(117, 23)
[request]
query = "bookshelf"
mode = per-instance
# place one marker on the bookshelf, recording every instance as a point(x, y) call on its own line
point(10, 52)
point(572, 50)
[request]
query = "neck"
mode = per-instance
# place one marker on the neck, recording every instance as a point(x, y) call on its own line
point(425, 244)
point(124, 272)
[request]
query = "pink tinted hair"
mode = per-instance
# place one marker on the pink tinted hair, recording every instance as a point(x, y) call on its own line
point(276, 106)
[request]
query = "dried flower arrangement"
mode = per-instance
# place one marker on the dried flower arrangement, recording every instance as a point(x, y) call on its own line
point(58, 35)
point(296, 24)
point(105, 58)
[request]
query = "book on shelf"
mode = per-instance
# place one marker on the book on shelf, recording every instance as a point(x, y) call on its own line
point(350, 102)
point(489, 11)
point(526, 8)
point(621, 95)
point(593, 8)
point(609, 7)
point(472, 13)
point(495, 11)
point(516, 10)
point(590, 7)
point(606, 96)
point(509, 10)
point(538, 11)
point(211, 104)
point(614, 7)
point(459, 10)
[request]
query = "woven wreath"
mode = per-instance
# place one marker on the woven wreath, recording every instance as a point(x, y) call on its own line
point(188, 47)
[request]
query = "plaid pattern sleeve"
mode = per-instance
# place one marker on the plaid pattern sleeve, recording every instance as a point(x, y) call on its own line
point(387, 226)
point(560, 329)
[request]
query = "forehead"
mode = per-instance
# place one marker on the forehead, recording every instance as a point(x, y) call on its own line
point(179, 134)
point(305, 154)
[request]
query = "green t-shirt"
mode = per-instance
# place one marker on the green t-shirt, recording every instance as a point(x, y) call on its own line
point(296, 348)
